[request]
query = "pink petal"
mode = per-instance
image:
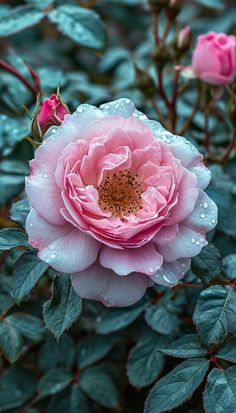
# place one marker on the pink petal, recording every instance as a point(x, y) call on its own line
point(187, 196)
point(99, 283)
point(204, 216)
point(145, 259)
point(66, 249)
point(171, 272)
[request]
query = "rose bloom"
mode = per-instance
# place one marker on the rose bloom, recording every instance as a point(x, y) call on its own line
point(214, 58)
point(117, 202)
point(52, 112)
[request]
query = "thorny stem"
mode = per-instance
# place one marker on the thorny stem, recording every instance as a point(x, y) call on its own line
point(231, 146)
point(158, 111)
point(215, 361)
point(155, 28)
point(33, 88)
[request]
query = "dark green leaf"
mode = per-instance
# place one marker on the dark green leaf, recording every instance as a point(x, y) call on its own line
point(215, 4)
point(177, 386)
point(115, 319)
point(29, 326)
point(84, 26)
point(92, 349)
point(215, 312)
point(19, 211)
point(16, 386)
point(229, 266)
point(228, 350)
point(10, 340)
point(220, 391)
point(97, 383)
point(207, 265)
point(145, 362)
point(40, 4)
point(63, 308)
point(55, 354)
point(11, 238)
point(78, 400)
point(18, 19)
point(28, 270)
point(185, 347)
point(54, 381)
point(160, 319)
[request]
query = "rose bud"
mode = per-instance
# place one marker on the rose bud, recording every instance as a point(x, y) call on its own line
point(184, 38)
point(51, 113)
point(117, 203)
point(214, 58)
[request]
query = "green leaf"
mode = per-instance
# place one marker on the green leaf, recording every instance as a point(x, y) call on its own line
point(92, 349)
point(84, 26)
point(216, 4)
point(11, 238)
point(160, 319)
point(63, 308)
point(207, 265)
point(97, 383)
point(28, 270)
point(214, 313)
point(177, 386)
point(115, 319)
point(56, 354)
point(29, 326)
point(229, 266)
point(10, 340)
point(145, 362)
point(227, 351)
point(40, 4)
point(54, 381)
point(78, 400)
point(17, 385)
point(220, 391)
point(185, 347)
point(19, 18)
point(19, 211)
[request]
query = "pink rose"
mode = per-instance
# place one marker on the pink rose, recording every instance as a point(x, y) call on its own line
point(184, 38)
point(51, 113)
point(214, 58)
point(117, 202)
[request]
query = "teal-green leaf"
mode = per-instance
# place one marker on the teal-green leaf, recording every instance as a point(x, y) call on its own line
point(78, 400)
point(185, 347)
point(28, 270)
point(17, 385)
point(97, 383)
point(229, 266)
point(177, 386)
point(82, 25)
point(115, 319)
point(54, 381)
point(92, 349)
point(214, 314)
point(228, 350)
point(207, 265)
point(160, 319)
point(220, 392)
point(19, 211)
point(10, 340)
point(29, 326)
point(145, 361)
point(11, 238)
point(54, 353)
point(63, 308)
point(19, 18)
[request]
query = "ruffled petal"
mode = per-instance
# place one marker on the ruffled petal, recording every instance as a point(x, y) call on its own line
point(144, 259)
point(66, 249)
point(187, 243)
point(99, 283)
point(204, 216)
point(171, 272)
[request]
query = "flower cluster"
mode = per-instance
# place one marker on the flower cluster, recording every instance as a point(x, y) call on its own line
point(117, 202)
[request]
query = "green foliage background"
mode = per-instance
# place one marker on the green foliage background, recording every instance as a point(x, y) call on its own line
point(58, 354)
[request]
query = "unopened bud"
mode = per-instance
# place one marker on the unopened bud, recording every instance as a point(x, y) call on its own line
point(173, 9)
point(161, 55)
point(145, 83)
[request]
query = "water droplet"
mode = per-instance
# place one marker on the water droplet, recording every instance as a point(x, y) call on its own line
point(203, 215)
point(127, 101)
point(197, 243)
point(45, 175)
point(213, 221)
point(53, 256)
point(193, 240)
point(151, 270)
point(205, 205)
point(79, 109)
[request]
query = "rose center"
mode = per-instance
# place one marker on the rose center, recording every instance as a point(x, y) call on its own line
point(120, 194)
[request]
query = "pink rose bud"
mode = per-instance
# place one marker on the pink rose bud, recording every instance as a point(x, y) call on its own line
point(214, 58)
point(51, 113)
point(184, 38)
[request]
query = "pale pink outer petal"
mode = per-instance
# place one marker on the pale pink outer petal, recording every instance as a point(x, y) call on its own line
point(66, 249)
point(45, 196)
point(187, 243)
point(204, 216)
point(171, 272)
point(145, 259)
point(99, 283)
